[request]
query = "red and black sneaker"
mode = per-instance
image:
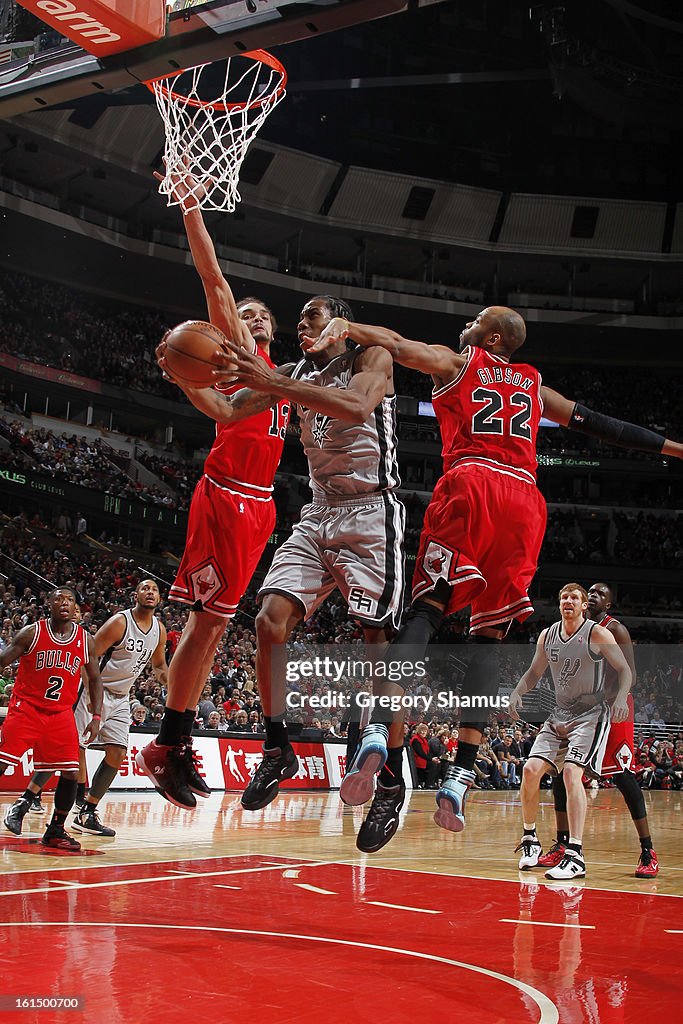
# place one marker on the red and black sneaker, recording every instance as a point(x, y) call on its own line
point(194, 779)
point(58, 839)
point(167, 768)
point(553, 857)
point(648, 865)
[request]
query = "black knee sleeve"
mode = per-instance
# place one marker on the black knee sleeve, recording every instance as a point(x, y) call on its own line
point(481, 682)
point(559, 794)
point(628, 786)
point(41, 779)
point(65, 794)
point(421, 623)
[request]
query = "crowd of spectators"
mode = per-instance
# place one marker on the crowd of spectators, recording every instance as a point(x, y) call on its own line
point(75, 459)
point(231, 700)
point(89, 335)
point(181, 475)
point(659, 761)
point(619, 538)
point(102, 338)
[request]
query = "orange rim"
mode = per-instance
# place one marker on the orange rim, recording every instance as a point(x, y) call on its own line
point(262, 56)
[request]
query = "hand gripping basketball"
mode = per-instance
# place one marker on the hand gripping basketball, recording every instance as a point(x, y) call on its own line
point(192, 352)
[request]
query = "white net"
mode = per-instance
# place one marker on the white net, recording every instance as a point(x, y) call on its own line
point(211, 115)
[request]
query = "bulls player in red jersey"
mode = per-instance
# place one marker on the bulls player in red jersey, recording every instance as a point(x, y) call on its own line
point(484, 525)
point(619, 760)
point(51, 653)
point(231, 517)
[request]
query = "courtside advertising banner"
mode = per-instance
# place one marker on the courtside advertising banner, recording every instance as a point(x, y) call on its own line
point(225, 764)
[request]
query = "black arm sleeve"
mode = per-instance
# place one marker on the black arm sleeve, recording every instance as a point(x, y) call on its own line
point(619, 432)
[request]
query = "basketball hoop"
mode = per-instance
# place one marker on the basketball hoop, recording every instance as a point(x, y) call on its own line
point(211, 114)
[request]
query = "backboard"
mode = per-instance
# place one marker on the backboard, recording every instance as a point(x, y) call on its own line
point(50, 70)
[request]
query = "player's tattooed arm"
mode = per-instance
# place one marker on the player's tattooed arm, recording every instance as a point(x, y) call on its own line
point(438, 361)
point(353, 404)
point(18, 645)
point(247, 402)
point(217, 405)
point(618, 432)
point(530, 677)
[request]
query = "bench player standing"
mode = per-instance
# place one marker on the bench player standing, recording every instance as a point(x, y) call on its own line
point(484, 525)
point(574, 737)
point(619, 760)
point(231, 517)
point(51, 653)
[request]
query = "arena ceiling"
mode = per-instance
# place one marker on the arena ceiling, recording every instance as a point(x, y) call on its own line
point(576, 99)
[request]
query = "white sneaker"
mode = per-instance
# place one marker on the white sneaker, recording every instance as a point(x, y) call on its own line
point(531, 851)
point(572, 865)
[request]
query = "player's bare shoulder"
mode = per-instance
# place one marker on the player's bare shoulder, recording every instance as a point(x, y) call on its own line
point(25, 638)
point(374, 360)
point(601, 635)
point(448, 364)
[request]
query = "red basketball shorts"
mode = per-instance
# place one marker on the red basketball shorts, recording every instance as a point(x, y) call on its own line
point(226, 535)
point(482, 533)
point(619, 755)
point(51, 734)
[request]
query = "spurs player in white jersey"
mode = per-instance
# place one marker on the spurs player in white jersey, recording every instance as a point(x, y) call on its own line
point(350, 537)
point(574, 737)
point(125, 644)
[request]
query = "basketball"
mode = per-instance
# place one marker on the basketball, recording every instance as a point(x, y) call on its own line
point(191, 348)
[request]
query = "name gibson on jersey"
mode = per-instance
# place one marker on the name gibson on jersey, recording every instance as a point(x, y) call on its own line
point(504, 375)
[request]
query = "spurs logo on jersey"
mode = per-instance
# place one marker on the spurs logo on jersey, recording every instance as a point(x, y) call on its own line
point(347, 459)
point(575, 669)
point(319, 425)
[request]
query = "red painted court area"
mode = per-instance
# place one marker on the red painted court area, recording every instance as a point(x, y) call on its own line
point(274, 940)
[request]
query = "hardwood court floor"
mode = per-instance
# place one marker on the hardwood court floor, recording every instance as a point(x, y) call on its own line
point(274, 916)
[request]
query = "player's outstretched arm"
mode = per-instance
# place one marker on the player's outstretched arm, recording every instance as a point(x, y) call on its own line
point(530, 678)
point(618, 432)
point(436, 360)
point(220, 301)
point(353, 404)
point(217, 406)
